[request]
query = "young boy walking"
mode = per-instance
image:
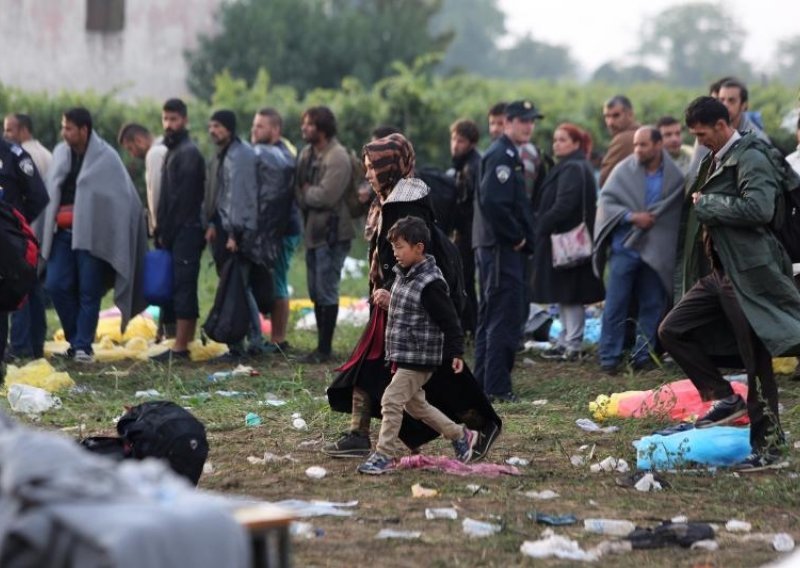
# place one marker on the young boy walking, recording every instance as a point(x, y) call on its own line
point(422, 332)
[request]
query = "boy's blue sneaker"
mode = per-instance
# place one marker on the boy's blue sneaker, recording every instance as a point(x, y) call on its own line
point(464, 445)
point(377, 464)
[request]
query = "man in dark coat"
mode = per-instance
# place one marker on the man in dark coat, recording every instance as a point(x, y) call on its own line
point(744, 303)
point(179, 223)
point(502, 233)
point(466, 162)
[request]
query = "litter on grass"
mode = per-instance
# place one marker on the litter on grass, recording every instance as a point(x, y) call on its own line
point(393, 533)
point(316, 472)
point(442, 513)
point(479, 529)
point(31, 400)
point(455, 467)
point(318, 508)
point(545, 495)
point(421, 492)
point(610, 464)
point(591, 426)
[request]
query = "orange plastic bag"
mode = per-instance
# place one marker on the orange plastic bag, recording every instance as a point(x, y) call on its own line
point(674, 401)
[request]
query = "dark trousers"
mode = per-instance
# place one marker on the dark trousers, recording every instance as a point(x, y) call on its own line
point(29, 325)
point(711, 304)
point(470, 314)
point(499, 313)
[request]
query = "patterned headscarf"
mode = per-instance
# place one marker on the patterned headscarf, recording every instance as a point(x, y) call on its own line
point(392, 158)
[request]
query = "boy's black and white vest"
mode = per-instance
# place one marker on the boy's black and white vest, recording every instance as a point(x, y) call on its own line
point(412, 337)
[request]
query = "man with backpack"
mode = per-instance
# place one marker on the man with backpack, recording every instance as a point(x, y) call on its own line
point(742, 306)
point(22, 188)
point(279, 224)
point(324, 176)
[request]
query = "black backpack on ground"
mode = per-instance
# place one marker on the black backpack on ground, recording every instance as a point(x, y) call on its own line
point(158, 429)
point(19, 255)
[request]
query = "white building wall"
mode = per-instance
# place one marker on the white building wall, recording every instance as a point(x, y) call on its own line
point(44, 46)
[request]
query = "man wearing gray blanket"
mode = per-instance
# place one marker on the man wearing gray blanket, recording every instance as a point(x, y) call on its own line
point(95, 233)
point(636, 231)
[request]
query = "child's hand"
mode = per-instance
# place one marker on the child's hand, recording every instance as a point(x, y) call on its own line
point(458, 365)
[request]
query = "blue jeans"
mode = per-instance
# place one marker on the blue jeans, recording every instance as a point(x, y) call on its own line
point(627, 274)
point(324, 272)
point(29, 325)
point(76, 284)
point(500, 311)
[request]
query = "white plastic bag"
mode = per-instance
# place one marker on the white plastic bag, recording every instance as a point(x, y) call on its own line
point(31, 400)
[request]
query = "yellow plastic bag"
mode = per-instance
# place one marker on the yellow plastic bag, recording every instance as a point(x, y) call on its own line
point(41, 374)
point(212, 349)
point(784, 365)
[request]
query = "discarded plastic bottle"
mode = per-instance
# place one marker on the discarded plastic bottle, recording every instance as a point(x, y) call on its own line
point(611, 527)
point(219, 376)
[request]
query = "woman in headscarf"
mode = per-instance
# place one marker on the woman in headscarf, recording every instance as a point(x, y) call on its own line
point(568, 196)
point(389, 164)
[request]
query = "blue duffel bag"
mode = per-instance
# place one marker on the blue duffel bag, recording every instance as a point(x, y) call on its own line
point(159, 277)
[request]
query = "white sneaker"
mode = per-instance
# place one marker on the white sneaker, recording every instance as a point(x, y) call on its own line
point(83, 356)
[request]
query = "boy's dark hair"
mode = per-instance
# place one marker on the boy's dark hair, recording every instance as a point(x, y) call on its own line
point(130, 131)
point(498, 109)
point(413, 230)
point(80, 117)
point(175, 105)
point(466, 128)
point(322, 117)
point(24, 121)
point(706, 111)
point(384, 130)
point(667, 121)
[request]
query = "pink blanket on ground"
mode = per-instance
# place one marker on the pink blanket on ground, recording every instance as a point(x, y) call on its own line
point(455, 467)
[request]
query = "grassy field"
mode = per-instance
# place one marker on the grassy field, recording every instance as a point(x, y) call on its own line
point(544, 434)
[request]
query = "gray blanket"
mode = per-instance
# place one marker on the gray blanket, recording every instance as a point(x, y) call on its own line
point(624, 191)
point(109, 220)
point(91, 512)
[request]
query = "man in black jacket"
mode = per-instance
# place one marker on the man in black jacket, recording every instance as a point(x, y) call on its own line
point(466, 162)
point(502, 233)
point(179, 226)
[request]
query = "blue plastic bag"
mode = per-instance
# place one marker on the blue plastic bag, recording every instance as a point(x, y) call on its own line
point(718, 446)
point(159, 279)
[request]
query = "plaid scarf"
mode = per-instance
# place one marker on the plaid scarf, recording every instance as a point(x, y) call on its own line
point(392, 158)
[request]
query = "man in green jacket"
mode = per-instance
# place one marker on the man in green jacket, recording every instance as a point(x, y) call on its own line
point(324, 173)
point(743, 307)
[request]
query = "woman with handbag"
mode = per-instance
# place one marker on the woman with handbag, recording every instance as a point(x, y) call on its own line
point(564, 211)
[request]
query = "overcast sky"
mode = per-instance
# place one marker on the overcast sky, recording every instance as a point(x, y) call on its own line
point(599, 31)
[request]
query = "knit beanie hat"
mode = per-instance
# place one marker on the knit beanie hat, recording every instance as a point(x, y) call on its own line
point(226, 118)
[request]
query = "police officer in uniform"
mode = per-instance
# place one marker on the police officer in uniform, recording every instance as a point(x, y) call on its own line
point(502, 235)
point(22, 188)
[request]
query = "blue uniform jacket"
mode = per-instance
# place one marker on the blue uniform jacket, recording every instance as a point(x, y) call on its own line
point(502, 210)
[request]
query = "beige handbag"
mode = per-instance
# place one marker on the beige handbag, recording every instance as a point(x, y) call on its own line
point(574, 247)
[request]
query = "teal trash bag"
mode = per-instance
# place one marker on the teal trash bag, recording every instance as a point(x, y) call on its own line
point(718, 446)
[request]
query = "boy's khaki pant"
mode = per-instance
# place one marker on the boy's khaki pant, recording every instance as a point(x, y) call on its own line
point(405, 393)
